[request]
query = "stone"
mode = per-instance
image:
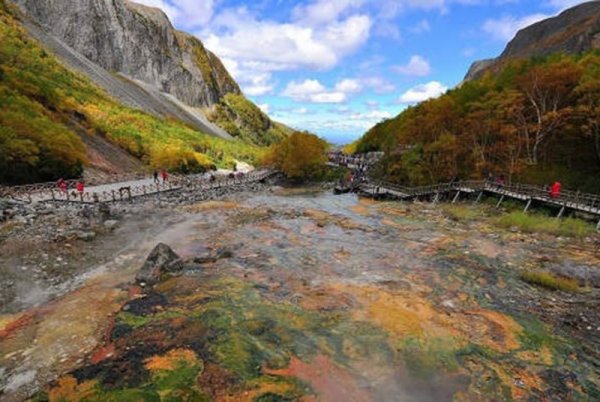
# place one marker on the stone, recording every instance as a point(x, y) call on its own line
point(111, 224)
point(162, 260)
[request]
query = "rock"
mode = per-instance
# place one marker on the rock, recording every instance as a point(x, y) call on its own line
point(86, 236)
point(161, 260)
point(111, 224)
point(205, 259)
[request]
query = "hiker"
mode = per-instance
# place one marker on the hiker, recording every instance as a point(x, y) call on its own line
point(155, 175)
point(555, 190)
point(62, 185)
point(501, 181)
point(165, 176)
point(80, 187)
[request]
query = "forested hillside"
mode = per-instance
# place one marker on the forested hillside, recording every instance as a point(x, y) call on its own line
point(537, 121)
point(46, 110)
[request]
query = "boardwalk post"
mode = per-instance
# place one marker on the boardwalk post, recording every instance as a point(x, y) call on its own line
point(528, 205)
point(562, 211)
point(436, 199)
point(456, 197)
point(479, 196)
point(113, 195)
point(53, 196)
point(598, 226)
point(500, 202)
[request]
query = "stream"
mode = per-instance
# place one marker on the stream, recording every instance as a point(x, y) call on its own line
point(329, 298)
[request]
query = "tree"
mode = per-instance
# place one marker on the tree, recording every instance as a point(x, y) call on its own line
point(547, 92)
point(588, 106)
point(300, 156)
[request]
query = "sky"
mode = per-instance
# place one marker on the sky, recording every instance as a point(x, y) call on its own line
point(337, 67)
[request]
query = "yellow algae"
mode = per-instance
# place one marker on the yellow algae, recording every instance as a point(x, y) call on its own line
point(210, 205)
point(256, 388)
point(363, 207)
point(68, 390)
point(402, 315)
point(492, 329)
point(322, 218)
point(543, 356)
point(172, 360)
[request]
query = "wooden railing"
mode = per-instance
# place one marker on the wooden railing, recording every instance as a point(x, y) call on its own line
point(49, 191)
point(568, 198)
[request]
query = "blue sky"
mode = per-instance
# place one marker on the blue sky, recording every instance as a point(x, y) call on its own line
point(338, 67)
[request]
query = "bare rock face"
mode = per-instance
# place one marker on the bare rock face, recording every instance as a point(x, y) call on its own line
point(138, 42)
point(574, 31)
point(160, 261)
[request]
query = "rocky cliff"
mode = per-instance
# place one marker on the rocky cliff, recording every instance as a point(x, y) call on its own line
point(574, 31)
point(139, 42)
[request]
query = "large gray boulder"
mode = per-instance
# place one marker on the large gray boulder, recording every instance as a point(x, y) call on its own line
point(162, 260)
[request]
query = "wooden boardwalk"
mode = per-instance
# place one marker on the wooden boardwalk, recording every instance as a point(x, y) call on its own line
point(531, 195)
point(128, 190)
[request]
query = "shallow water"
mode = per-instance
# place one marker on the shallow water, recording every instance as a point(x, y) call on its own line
point(325, 298)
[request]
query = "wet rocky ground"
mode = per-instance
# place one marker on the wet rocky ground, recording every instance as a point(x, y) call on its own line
point(302, 295)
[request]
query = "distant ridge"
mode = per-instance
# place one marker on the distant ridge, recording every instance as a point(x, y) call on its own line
point(573, 31)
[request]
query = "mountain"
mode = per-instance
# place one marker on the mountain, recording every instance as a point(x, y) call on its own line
point(108, 86)
point(535, 118)
point(63, 114)
point(575, 30)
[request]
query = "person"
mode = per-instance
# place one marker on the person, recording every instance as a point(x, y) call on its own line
point(62, 185)
point(155, 175)
point(555, 190)
point(165, 176)
point(490, 177)
point(80, 187)
point(501, 182)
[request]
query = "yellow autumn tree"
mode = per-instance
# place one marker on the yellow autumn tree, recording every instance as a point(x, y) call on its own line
point(300, 156)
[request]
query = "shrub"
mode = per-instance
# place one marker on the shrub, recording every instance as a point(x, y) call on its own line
point(550, 281)
point(461, 212)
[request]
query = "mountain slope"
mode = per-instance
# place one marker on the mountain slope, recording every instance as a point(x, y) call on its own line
point(532, 115)
point(134, 53)
point(53, 122)
point(138, 42)
point(574, 31)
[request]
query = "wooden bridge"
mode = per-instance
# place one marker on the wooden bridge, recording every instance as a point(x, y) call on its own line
point(128, 190)
point(529, 194)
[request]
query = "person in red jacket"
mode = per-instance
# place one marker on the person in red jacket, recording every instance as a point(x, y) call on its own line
point(62, 185)
point(165, 176)
point(80, 187)
point(555, 190)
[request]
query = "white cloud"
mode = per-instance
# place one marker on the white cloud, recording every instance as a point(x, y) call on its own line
point(422, 26)
point(323, 11)
point(287, 46)
point(185, 13)
point(505, 28)
point(265, 107)
point(348, 86)
point(423, 92)
point(416, 67)
point(312, 91)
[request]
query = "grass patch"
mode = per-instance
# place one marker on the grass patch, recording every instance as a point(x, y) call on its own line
point(550, 281)
point(461, 212)
point(534, 223)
